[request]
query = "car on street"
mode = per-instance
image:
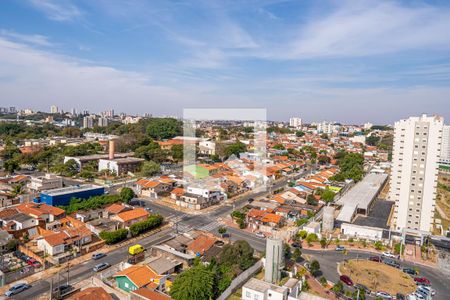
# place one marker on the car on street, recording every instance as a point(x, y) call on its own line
point(418, 296)
point(362, 287)
point(250, 200)
point(296, 245)
point(375, 258)
point(101, 267)
point(422, 281)
point(345, 279)
point(225, 235)
point(425, 291)
point(383, 295)
point(389, 255)
point(410, 271)
point(260, 234)
point(391, 263)
point(16, 289)
point(99, 255)
point(340, 248)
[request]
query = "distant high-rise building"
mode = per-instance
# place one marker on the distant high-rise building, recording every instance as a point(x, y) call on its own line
point(54, 109)
point(368, 125)
point(295, 122)
point(274, 259)
point(445, 146)
point(416, 152)
point(73, 111)
point(102, 122)
point(88, 121)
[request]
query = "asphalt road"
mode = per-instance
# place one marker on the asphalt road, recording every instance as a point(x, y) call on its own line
point(329, 259)
point(83, 271)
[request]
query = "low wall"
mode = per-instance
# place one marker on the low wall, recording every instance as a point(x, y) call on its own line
point(241, 279)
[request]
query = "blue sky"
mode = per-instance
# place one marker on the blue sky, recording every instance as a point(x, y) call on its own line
point(347, 61)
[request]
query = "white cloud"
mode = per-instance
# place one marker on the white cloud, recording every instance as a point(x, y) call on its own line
point(33, 39)
point(57, 10)
point(372, 27)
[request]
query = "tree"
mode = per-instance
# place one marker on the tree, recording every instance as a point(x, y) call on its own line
point(378, 245)
point(150, 168)
point(126, 194)
point(327, 195)
point(338, 288)
point(323, 242)
point(177, 152)
point(152, 222)
point(372, 140)
point(240, 253)
point(152, 151)
point(164, 128)
point(287, 251)
point(359, 294)
point(299, 133)
point(312, 237)
point(194, 283)
point(351, 167)
point(113, 237)
point(297, 254)
point(235, 149)
point(314, 267)
point(311, 200)
point(323, 281)
point(303, 234)
point(279, 147)
point(11, 165)
point(222, 230)
point(324, 136)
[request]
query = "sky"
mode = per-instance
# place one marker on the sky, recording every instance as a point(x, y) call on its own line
point(346, 61)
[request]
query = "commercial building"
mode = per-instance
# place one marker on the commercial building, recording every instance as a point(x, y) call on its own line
point(416, 152)
point(359, 198)
point(119, 165)
point(62, 196)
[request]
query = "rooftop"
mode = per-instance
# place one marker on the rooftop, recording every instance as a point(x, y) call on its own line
point(262, 286)
point(360, 196)
point(71, 189)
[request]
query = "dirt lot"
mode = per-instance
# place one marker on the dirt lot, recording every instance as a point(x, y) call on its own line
point(378, 276)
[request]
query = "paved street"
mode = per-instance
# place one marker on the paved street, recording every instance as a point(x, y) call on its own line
point(84, 271)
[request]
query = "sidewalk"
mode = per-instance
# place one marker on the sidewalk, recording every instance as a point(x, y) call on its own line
point(415, 260)
point(46, 274)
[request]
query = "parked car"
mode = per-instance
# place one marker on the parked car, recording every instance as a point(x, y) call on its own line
point(389, 255)
point(18, 288)
point(375, 258)
point(418, 296)
point(101, 267)
point(260, 234)
point(391, 263)
point(383, 295)
point(340, 248)
point(225, 235)
point(422, 281)
point(400, 296)
point(362, 287)
point(425, 290)
point(34, 263)
point(99, 255)
point(410, 271)
point(345, 279)
point(250, 200)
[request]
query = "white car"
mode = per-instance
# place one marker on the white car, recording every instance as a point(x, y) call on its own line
point(383, 295)
point(425, 290)
point(389, 254)
point(260, 234)
point(418, 296)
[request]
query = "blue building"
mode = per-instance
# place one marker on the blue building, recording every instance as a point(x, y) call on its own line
point(62, 196)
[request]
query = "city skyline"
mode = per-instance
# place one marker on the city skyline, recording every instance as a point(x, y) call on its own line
point(318, 60)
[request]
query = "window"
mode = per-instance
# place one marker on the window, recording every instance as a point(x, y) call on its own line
point(248, 294)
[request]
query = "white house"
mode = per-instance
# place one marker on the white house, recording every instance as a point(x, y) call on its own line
point(256, 289)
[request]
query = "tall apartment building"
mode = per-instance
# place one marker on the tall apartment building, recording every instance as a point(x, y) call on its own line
point(54, 109)
point(416, 152)
point(295, 122)
point(445, 146)
point(88, 121)
point(102, 122)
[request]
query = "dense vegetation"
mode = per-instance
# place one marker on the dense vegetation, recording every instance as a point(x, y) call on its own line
point(95, 202)
point(351, 167)
point(152, 222)
point(208, 282)
point(113, 237)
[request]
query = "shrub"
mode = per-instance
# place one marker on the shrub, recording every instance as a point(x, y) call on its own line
point(113, 237)
point(378, 245)
point(152, 222)
point(302, 234)
point(323, 281)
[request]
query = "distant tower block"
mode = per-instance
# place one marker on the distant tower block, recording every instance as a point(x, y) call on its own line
point(328, 219)
point(274, 259)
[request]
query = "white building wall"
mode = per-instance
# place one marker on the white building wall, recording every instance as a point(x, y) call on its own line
point(414, 171)
point(445, 146)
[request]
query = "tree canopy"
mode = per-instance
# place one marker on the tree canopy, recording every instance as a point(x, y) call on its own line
point(164, 128)
point(196, 283)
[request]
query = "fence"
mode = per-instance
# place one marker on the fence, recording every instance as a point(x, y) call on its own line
point(238, 281)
